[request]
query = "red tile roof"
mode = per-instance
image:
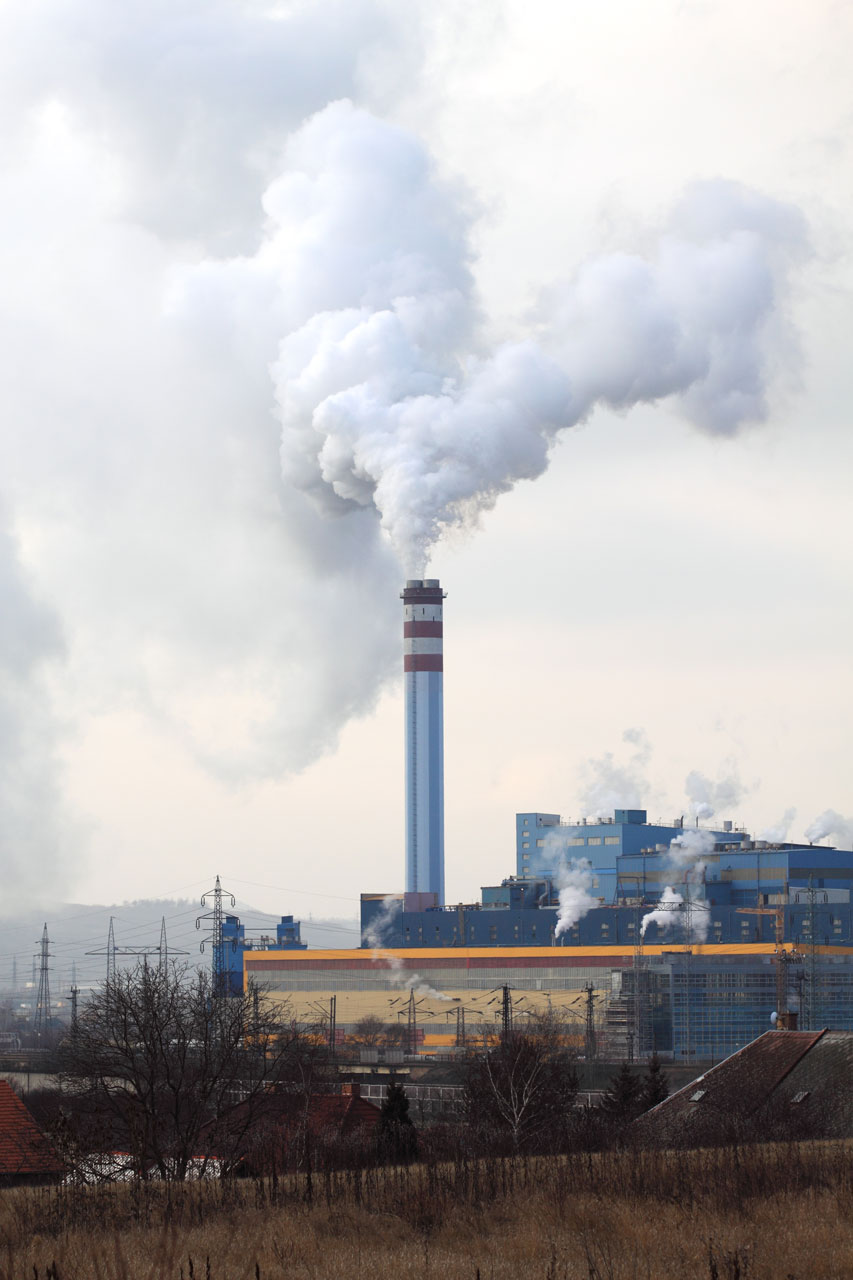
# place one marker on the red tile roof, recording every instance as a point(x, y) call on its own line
point(24, 1150)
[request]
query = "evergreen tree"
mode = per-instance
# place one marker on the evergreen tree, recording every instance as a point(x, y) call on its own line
point(395, 1134)
point(655, 1086)
point(621, 1101)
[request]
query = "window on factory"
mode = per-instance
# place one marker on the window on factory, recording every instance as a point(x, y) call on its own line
point(595, 882)
point(577, 840)
point(533, 931)
point(605, 931)
point(525, 844)
point(594, 840)
point(540, 844)
point(493, 933)
point(526, 821)
point(632, 928)
point(611, 839)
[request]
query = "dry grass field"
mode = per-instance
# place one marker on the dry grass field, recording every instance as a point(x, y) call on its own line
point(762, 1213)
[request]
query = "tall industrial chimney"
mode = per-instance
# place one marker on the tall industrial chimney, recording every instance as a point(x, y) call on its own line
point(423, 668)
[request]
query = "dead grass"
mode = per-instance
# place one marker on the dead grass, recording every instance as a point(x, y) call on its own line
point(764, 1213)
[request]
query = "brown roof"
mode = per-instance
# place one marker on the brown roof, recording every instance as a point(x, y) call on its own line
point(24, 1150)
point(753, 1092)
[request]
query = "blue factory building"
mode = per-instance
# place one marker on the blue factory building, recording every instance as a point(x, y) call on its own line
point(235, 944)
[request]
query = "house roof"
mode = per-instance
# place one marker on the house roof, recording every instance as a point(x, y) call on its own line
point(344, 1111)
point(787, 1081)
point(24, 1150)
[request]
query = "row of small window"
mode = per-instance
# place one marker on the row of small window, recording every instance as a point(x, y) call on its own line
point(575, 840)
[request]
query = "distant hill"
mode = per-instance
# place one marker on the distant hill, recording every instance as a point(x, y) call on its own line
point(75, 929)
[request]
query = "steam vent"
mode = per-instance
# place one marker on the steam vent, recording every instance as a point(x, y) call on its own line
point(424, 692)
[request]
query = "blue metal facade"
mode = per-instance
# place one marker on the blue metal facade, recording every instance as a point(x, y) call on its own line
point(235, 944)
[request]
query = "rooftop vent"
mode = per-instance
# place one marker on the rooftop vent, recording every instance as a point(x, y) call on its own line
point(700, 1093)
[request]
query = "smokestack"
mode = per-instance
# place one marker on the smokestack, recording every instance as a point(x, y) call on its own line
point(423, 673)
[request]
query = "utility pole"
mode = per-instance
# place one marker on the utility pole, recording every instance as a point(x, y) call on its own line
point(460, 1026)
point(506, 1011)
point(41, 1021)
point(217, 947)
point(413, 1024)
point(333, 1026)
point(164, 946)
point(589, 1038)
point(111, 951)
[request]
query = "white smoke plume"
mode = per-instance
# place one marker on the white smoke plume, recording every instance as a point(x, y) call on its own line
point(388, 399)
point(690, 846)
point(375, 937)
point(610, 784)
point(777, 833)
point(574, 880)
point(667, 915)
point(831, 823)
point(675, 914)
point(708, 796)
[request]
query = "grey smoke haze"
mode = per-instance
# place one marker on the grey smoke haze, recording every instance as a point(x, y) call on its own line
point(609, 784)
point(711, 796)
point(777, 833)
point(33, 828)
point(831, 823)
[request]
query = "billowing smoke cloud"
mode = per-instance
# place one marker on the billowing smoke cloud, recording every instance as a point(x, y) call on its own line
point(610, 784)
point(376, 936)
point(33, 830)
point(575, 898)
point(831, 823)
point(777, 832)
point(708, 797)
point(198, 381)
point(388, 399)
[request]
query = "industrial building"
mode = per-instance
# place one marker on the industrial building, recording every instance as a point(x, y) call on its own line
point(663, 937)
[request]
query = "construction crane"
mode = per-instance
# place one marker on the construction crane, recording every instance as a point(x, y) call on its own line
point(782, 957)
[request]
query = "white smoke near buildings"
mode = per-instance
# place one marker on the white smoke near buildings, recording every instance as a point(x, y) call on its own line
point(675, 913)
point(574, 881)
point(831, 823)
point(666, 916)
point(690, 846)
point(610, 784)
point(709, 797)
point(777, 832)
point(376, 937)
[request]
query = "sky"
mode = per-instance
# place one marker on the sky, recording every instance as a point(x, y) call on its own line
point(301, 299)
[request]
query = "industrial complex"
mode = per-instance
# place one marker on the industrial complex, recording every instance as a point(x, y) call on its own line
point(665, 937)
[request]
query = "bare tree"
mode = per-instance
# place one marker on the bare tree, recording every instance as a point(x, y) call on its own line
point(180, 1078)
point(523, 1087)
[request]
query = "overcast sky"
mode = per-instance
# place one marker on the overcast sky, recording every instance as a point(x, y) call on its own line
point(300, 297)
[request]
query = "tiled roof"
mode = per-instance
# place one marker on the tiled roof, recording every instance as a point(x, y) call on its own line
point(328, 1110)
point(24, 1150)
point(734, 1092)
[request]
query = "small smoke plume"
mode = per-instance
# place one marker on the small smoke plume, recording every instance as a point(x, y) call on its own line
point(831, 823)
point(689, 847)
point(574, 880)
point(675, 913)
point(708, 797)
point(665, 916)
point(374, 936)
point(609, 784)
point(778, 831)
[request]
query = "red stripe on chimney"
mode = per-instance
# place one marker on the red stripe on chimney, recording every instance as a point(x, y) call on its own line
point(411, 629)
point(423, 662)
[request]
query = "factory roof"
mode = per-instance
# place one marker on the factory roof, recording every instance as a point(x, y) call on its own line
point(25, 1153)
point(784, 1084)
